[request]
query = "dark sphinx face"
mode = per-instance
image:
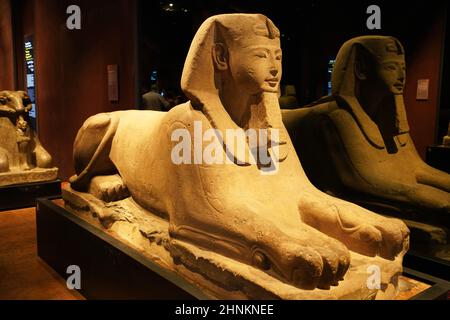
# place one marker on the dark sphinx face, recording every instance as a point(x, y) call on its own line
point(391, 73)
point(381, 65)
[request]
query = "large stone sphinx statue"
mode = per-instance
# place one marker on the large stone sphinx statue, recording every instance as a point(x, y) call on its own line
point(248, 224)
point(23, 159)
point(356, 143)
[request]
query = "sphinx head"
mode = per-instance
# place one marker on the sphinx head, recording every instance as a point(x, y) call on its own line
point(15, 101)
point(247, 54)
point(369, 75)
point(232, 56)
point(232, 74)
point(15, 105)
point(376, 63)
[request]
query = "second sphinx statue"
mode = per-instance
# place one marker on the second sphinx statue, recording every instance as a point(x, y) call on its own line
point(23, 159)
point(356, 143)
point(276, 223)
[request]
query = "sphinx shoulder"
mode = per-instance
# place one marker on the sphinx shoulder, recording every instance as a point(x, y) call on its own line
point(344, 124)
point(187, 117)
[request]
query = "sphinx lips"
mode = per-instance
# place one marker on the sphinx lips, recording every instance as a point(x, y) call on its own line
point(399, 86)
point(272, 81)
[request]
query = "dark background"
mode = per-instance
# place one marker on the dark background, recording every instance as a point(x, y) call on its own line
point(312, 32)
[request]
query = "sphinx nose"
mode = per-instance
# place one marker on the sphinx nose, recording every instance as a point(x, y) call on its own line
point(274, 72)
point(18, 105)
point(402, 76)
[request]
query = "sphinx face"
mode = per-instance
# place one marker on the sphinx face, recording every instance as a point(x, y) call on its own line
point(16, 101)
point(391, 73)
point(16, 105)
point(256, 68)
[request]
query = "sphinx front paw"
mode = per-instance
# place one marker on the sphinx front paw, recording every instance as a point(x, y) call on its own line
point(359, 229)
point(309, 265)
point(108, 188)
point(302, 257)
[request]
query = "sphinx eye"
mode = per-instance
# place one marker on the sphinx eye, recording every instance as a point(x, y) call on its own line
point(261, 54)
point(3, 100)
point(278, 57)
point(391, 67)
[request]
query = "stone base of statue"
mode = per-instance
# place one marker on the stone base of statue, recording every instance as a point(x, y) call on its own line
point(430, 249)
point(25, 194)
point(225, 278)
point(30, 176)
point(431, 239)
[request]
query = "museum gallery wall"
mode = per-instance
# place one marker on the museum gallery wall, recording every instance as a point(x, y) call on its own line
point(64, 64)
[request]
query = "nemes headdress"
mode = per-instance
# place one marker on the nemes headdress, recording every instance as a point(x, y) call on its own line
point(198, 80)
point(343, 81)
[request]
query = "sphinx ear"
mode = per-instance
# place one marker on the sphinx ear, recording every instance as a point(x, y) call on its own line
point(220, 56)
point(360, 70)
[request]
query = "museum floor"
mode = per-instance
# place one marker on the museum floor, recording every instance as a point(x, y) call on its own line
point(23, 275)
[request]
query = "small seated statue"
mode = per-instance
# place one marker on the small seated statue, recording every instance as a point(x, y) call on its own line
point(289, 99)
point(275, 221)
point(356, 144)
point(23, 159)
point(446, 139)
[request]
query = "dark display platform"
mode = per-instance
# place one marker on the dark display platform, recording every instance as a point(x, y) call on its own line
point(109, 268)
point(112, 270)
point(25, 195)
point(438, 156)
point(434, 266)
